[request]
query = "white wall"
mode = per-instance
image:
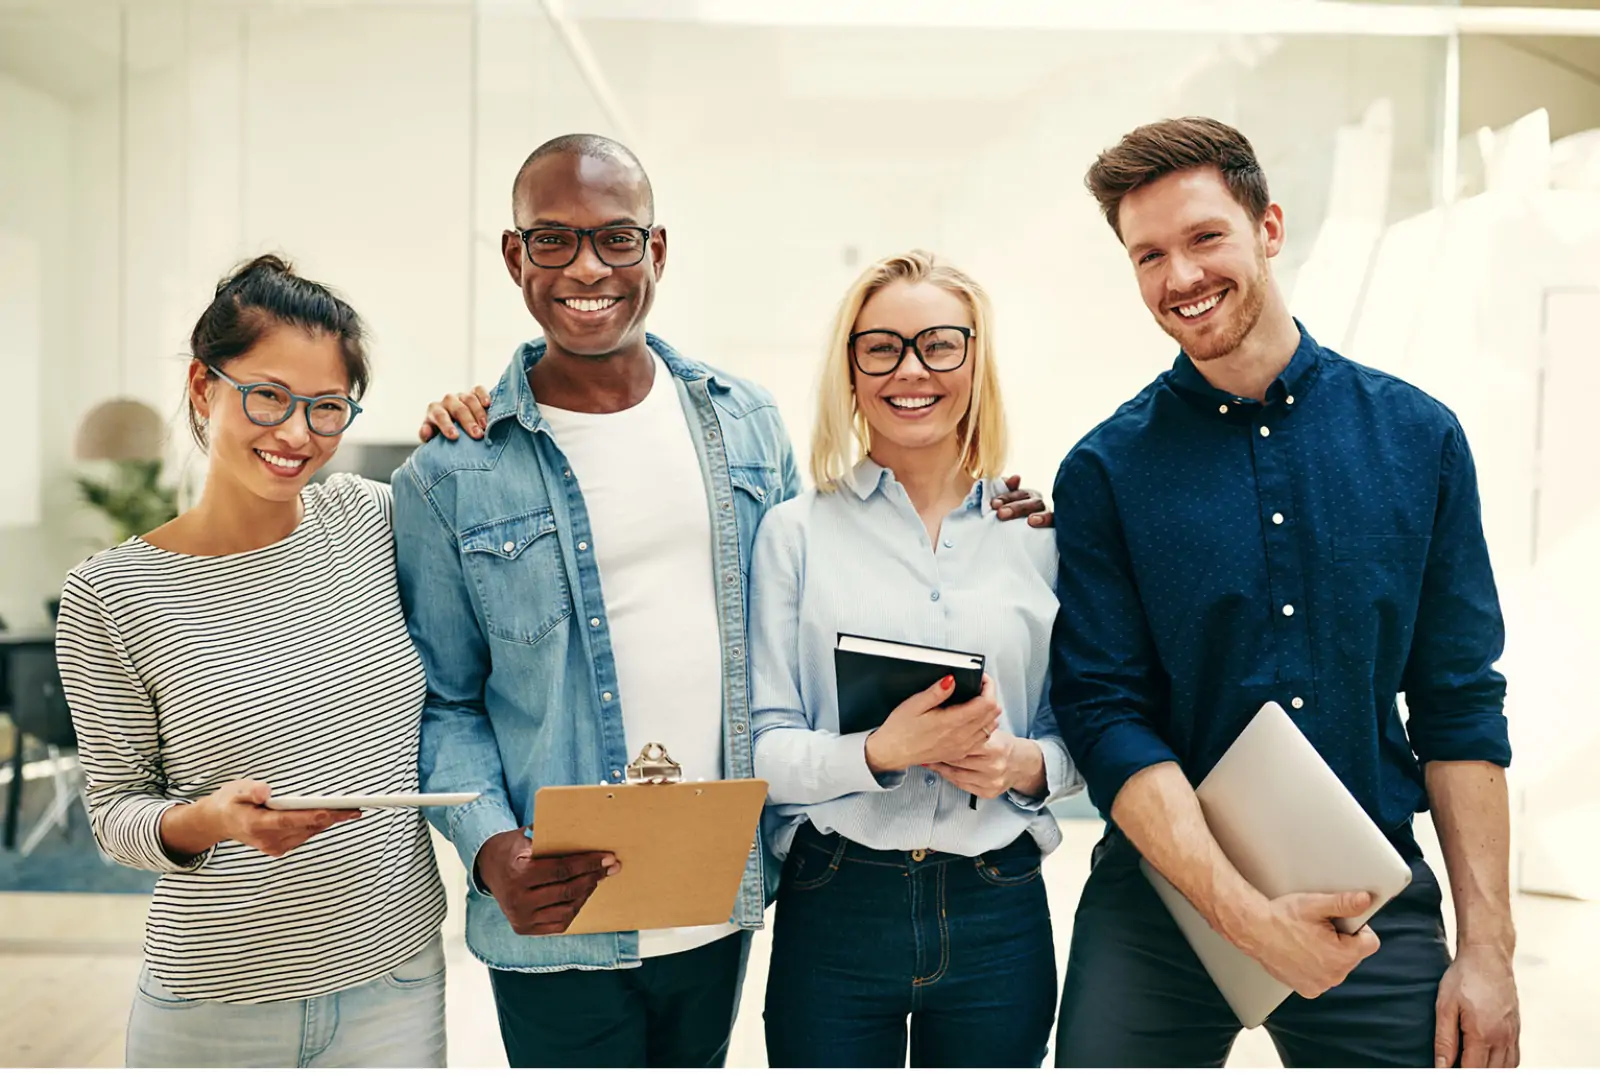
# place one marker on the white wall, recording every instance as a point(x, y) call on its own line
point(359, 143)
point(39, 389)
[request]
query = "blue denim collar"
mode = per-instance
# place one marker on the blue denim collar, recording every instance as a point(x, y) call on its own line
point(513, 396)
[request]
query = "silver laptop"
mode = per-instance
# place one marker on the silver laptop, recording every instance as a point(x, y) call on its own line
point(1289, 825)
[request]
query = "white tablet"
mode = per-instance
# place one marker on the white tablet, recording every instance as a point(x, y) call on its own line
point(365, 802)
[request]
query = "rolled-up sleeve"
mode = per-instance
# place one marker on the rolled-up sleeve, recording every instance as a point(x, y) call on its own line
point(1454, 695)
point(119, 738)
point(801, 765)
point(1061, 776)
point(1106, 686)
point(459, 749)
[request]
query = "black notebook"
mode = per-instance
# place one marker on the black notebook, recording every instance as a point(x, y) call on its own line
point(875, 676)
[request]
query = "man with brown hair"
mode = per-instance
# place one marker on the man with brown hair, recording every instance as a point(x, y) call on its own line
point(1268, 521)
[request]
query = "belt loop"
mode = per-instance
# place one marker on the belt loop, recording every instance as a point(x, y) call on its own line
point(838, 851)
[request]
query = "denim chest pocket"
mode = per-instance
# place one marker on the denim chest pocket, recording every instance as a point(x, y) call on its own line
point(515, 566)
point(755, 488)
point(1377, 579)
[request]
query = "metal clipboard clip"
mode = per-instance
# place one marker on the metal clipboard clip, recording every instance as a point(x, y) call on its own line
point(654, 766)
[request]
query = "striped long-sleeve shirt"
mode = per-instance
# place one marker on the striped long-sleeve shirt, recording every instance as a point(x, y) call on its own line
point(289, 665)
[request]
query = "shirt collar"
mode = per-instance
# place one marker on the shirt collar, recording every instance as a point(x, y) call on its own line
point(514, 397)
point(1295, 380)
point(868, 477)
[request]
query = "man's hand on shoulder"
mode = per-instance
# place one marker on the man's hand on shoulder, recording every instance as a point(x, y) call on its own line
point(1019, 501)
point(446, 417)
point(540, 894)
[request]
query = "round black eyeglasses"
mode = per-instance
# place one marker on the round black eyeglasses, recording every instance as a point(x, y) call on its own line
point(553, 247)
point(880, 352)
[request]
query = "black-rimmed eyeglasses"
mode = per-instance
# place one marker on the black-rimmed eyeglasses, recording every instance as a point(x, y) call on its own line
point(268, 405)
point(553, 247)
point(880, 352)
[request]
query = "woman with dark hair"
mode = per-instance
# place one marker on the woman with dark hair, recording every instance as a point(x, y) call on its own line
point(256, 644)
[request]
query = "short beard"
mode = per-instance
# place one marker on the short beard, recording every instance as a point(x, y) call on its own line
point(1228, 338)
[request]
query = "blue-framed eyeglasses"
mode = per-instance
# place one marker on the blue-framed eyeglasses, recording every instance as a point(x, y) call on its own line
point(268, 405)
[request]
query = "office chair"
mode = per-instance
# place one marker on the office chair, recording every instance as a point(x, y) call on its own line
point(39, 708)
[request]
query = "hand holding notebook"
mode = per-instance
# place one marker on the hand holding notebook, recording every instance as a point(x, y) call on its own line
point(921, 704)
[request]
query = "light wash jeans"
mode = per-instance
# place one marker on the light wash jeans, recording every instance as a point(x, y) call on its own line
point(395, 1021)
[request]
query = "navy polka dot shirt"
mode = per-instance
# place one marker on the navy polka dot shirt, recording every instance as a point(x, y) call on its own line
point(1322, 549)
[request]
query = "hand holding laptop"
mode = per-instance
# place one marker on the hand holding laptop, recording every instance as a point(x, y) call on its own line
point(1296, 941)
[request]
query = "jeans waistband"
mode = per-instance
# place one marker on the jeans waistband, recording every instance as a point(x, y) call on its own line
point(844, 849)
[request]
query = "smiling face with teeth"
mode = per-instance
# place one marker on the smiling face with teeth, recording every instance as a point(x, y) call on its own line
point(587, 310)
point(1201, 262)
point(913, 408)
point(271, 463)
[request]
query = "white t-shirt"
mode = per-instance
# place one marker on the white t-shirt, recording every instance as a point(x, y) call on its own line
point(651, 526)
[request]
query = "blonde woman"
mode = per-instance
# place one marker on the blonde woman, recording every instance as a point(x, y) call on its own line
point(900, 899)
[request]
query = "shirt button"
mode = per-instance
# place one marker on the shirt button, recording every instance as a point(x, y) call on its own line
point(594, 622)
point(934, 595)
point(1288, 609)
point(928, 780)
point(738, 729)
point(1265, 431)
point(606, 696)
point(731, 578)
point(583, 545)
point(508, 547)
point(727, 505)
point(949, 543)
point(1223, 409)
point(616, 772)
point(1298, 702)
point(1289, 400)
point(918, 855)
point(737, 652)
point(1277, 519)
point(567, 473)
point(761, 491)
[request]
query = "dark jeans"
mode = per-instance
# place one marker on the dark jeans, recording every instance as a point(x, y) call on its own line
point(864, 939)
point(1136, 995)
point(672, 1011)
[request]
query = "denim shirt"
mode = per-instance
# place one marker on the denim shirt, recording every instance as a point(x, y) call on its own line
point(502, 597)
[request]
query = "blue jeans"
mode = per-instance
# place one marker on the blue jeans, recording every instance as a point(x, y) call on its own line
point(1137, 997)
point(864, 939)
point(395, 1021)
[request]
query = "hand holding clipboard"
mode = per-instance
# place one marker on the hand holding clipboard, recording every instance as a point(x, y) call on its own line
point(685, 845)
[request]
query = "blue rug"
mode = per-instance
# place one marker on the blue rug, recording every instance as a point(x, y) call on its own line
point(65, 860)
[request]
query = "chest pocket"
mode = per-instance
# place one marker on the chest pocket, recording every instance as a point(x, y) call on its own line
point(1378, 581)
point(755, 488)
point(515, 567)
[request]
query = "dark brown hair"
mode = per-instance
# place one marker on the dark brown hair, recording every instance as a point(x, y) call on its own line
point(259, 296)
point(1149, 152)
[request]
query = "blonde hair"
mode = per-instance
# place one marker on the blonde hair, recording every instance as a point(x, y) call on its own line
point(841, 437)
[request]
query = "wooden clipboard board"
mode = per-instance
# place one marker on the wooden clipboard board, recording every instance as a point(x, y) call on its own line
point(683, 845)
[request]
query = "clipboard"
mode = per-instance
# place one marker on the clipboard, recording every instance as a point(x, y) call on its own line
point(683, 845)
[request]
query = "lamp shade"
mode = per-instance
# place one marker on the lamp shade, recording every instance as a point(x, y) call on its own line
point(120, 430)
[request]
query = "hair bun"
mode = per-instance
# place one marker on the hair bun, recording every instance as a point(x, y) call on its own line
point(261, 264)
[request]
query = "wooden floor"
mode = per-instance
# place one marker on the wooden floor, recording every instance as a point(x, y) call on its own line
point(70, 961)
